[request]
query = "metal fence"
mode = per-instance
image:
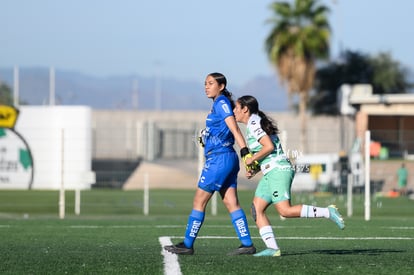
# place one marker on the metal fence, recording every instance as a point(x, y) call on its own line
point(120, 141)
point(131, 135)
point(393, 143)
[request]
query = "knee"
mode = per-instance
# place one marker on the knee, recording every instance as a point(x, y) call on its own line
point(285, 212)
point(231, 204)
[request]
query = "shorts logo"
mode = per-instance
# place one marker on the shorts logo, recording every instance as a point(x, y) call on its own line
point(276, 194)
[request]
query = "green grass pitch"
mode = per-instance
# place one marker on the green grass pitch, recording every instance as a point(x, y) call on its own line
point(113, 236)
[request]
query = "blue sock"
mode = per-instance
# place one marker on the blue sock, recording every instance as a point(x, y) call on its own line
point(195, 220)
point(238, 218)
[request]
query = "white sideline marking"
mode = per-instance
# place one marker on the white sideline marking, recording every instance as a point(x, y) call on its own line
point(181, 226)
point(400, 227)
point(171, 265)
point(210, 226)
point(307, 238)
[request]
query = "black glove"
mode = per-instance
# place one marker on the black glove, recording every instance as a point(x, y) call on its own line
point(244, 151)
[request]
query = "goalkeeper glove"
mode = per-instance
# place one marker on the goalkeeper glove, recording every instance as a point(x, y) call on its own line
point(253, 167)
point(201, 137)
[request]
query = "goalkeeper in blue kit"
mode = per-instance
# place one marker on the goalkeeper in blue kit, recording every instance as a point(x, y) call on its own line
point(274, 187)
point(220, 170)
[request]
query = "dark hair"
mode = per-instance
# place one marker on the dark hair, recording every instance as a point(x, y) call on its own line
point(267, 124)
point(221, 79)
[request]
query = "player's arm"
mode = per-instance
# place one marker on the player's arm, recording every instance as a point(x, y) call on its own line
point(267, 148)
point(235, 130)
point(253, 167)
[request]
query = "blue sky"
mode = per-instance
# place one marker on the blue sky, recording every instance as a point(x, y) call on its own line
point(184, 39)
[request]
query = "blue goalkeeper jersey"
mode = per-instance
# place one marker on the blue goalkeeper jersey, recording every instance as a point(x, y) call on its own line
point(217, 137)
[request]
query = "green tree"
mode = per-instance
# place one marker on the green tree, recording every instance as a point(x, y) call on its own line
point(299, 37)
point(5, 95)
point(389, 76)
point(352, 69)
point(381, 71)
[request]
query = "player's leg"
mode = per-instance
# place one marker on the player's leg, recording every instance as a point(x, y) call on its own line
point(195, 221)
point(259, 207)
point(309, 211)
point(203, 194)
point(260, 203)
point(228, 192)
point(196, 217)
point(280, 186)
point(238, 218)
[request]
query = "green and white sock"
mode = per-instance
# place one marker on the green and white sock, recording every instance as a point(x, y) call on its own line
point(266, 232)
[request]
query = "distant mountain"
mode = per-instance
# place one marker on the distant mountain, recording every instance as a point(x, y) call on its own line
point(134, 92)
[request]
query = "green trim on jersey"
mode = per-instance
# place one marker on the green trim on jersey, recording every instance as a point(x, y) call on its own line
point(254, 133)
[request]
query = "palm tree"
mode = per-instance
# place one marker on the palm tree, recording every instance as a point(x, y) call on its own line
point(299, 37)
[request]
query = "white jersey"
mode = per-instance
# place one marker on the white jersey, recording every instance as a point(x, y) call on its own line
point(277, 157)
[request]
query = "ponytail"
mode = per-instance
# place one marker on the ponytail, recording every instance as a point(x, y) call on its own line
point(229, 96)
point(267, 124)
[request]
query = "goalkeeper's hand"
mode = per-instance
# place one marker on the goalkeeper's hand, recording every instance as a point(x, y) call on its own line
point(201, 137)
point(251, 167)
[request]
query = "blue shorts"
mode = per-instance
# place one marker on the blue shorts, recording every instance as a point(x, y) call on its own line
point(219, 171)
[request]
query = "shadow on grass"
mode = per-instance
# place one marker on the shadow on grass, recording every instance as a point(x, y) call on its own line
point(372, 252)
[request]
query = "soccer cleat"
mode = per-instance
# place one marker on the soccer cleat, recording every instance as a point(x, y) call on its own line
point(180, 249)
point(269, 252)
point(243, 250)
point(336, 217)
